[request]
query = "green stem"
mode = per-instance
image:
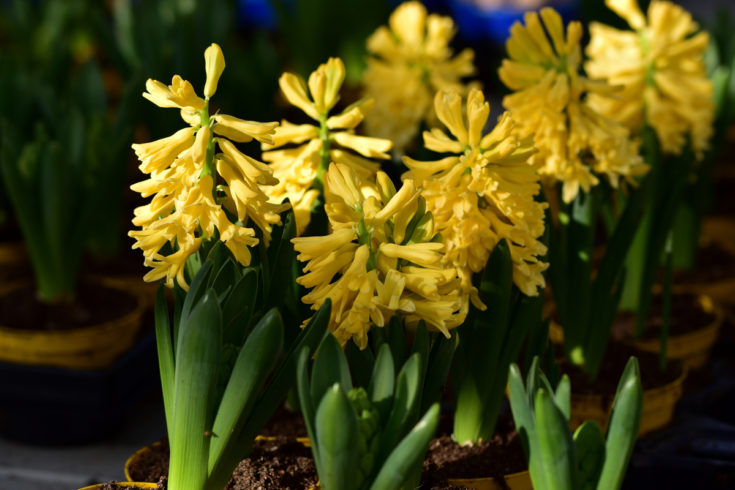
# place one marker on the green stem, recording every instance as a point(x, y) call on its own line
point(323, 154)
point(209, 160)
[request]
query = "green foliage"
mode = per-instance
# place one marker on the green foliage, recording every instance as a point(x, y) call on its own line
point(585, 460)
point(364, 438)
point(212, 424)
point(490, 341)
point(586, 303)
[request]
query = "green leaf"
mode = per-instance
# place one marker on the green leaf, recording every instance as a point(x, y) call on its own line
point(397, 340)
point(623, 427)
point(196, 374)
point(165, 357)
point(590, 444)
point(336, 433)
point(523, 417)
point(239, 307)
point(558, 454)
point(408, 455)
point(563, 395)
point(440, 363)
point(481, 377)
point(197, 289)
point(361, 363)
point(308, 405)
point(255, 361)
point(405, 405)
point(382, 382)
point(330, 366)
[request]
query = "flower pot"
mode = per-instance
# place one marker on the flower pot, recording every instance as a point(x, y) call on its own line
point(658, 406)
point(90, 347)
point(659, 402)
point(692, 348)
point(127, 484)
point(515, 481)
point(50, 405)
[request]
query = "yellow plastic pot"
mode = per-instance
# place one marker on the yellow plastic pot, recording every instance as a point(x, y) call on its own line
point(692, 348)
point(93, 347)
point(658, 406)
point(123, 484)
point(514, 481)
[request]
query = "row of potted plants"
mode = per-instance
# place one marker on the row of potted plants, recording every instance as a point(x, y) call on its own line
point(433, 263)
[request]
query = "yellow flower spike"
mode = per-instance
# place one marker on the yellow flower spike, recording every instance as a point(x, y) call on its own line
point(214, 64)
point(301, 169)
point(362, 266)
point(481, 196)
point(295, 90)
point(410, 59)
point(551, 103)
point(184, 171)
point(659, 66)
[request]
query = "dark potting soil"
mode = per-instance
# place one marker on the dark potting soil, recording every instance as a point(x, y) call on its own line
point(713, 264)
point(445, 459)
point(94, 304)
point(286, 423)
point(613, 364)
point(153, 465)
point(283, 464)
point(686, 316)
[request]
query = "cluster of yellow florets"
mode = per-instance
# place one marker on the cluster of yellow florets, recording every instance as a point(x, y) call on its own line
point(574, 141)
point(189, 202)
point(413, 252)
point(381, 258)
point(410, 59)
point(659, 66)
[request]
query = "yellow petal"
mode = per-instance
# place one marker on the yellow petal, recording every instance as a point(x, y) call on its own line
point(351, 116)
point(294, 89)
point(199, 150)
point(214, 64)
point(448, 108)
point(364, 145)
point(243, 131)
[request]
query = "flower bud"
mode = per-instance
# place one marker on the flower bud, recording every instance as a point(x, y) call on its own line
point(214, 64)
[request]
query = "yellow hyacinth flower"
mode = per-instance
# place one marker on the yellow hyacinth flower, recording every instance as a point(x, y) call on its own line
point(381, 259)
point(483, 193)
point(196, 189)
point(300, 153)
point(660, 67)
point(410, 60)
point(549, 101)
